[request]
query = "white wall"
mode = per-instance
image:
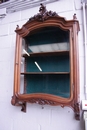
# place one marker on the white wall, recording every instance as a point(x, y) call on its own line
point(36, 118)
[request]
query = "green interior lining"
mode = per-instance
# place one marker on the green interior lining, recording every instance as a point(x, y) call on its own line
point(56, 84)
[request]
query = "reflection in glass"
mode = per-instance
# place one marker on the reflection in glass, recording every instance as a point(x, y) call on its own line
point(49, 47)
point(50, 63)
point(48, 39)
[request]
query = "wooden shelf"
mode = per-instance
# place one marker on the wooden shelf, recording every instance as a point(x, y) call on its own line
point(31, 73)
point(61, 52)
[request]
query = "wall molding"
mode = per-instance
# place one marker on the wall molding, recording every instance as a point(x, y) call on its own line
point(18, 5)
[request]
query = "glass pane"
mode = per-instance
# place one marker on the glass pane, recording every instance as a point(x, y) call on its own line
point(45, 64)
point(51, 63)
point(58, 85)
point(48, 39)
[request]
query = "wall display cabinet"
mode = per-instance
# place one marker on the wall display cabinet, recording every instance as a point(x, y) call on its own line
point(46, 69)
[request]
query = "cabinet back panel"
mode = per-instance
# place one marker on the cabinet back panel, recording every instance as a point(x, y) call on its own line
point(48, 39)
point(58, 85)
point(48, 63)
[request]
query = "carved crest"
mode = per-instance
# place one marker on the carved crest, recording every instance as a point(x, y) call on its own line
point(43, 14)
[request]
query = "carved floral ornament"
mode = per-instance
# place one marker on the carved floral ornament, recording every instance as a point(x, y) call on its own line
point(43, 15)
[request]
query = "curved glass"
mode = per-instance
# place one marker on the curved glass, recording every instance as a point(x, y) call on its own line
point(49, 63)
point(49, 84)
point(48, 39)
point(46, 62)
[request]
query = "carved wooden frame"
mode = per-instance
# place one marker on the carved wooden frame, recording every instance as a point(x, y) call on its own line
point(42, 19)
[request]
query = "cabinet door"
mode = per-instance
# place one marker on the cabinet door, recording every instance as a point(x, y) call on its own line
point(46, 54)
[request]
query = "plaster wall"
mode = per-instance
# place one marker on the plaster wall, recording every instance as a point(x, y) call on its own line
point(36, 118)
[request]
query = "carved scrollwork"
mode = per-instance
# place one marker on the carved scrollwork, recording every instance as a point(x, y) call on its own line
point(41, 101)
point(23, 107)
point(43, 15)
point(77, 110)
point(16, 102)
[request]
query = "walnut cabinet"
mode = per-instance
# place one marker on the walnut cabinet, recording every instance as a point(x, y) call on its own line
point(46, 69)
